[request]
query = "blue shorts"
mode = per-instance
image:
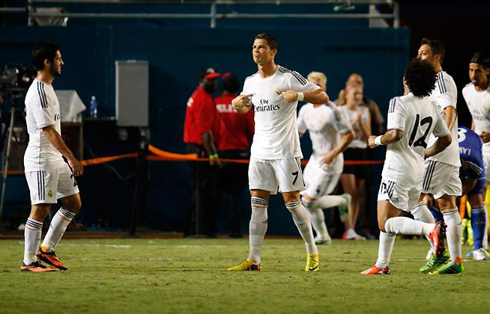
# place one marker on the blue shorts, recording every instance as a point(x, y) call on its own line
point(478, 188)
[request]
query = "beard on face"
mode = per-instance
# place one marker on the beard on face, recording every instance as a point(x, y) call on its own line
point(54, 71)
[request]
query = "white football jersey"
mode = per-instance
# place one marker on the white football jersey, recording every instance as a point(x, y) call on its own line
point(325, 123)
point(351, 116)
point(419, 119)
point(42, 110)
point(479, 107)
point(445, 94)
point(276, 135)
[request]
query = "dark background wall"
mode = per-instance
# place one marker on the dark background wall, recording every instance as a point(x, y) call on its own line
point(175, 55)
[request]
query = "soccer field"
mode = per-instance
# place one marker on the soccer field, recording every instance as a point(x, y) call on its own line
point(188, 276)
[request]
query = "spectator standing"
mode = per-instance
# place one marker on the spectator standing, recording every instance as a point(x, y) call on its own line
point(236, 133)
point(201, 135)
point(354, 177)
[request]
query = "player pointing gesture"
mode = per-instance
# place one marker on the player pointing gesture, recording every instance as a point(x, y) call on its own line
point(275, 153)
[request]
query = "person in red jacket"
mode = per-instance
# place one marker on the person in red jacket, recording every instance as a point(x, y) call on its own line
point(201, 135)
point(236, 133)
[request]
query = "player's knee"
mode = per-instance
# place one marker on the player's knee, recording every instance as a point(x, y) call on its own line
point(39, 212)
point(73, 205)
point(381, 224)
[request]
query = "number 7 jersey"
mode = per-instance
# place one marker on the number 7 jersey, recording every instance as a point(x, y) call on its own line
point(418, 118)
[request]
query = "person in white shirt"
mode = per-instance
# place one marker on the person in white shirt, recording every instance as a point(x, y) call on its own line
point(411, 119)
point(330, 133)
point(441, 179)
point(274, 92)
point(477, 97)
point(48, 176)
point(353, 178)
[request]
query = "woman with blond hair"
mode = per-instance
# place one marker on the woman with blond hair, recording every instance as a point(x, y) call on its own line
point(353, 178)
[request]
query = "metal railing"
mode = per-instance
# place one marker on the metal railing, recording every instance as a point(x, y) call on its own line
point(342, 8)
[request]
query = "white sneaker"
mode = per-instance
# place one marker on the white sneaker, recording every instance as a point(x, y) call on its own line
point(351, 234)
point(481, 255)
point(327, 240)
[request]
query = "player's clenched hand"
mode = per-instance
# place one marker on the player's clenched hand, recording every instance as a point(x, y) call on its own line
point(75, 166)
point(290, 96)
point(327, 159)
point(242, 101)
point(485, 137)
point(371, 141)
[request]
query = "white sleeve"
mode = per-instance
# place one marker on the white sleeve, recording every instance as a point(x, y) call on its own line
point(440, 127)
point(448, 90)
point(299, 84)
point(300, 123)
point(396, 115)
point(246, 87)
point(340, 122)
point(41, 107)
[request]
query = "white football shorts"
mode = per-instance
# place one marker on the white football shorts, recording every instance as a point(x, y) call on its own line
point(320, 179)
point(279, 175)
point(441, 179)
point(400, 194)
point(47, 186)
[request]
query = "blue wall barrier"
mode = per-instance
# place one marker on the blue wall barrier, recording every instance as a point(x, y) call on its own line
point(175, 57)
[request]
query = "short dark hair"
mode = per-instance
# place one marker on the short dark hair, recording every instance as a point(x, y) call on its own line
point(230, 82)
point(44, 50)
point(436, 46)
point(481, 58)
point(420, 77)
point(271, 40)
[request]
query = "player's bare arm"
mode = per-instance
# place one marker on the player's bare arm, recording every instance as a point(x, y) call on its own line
point(450, 116)
point(440, 144)
point(316, 97)
point(57, 141)
point(208, 143)
point(485, 137)
point(242, 103)
point(391, 136)
point(345, 139)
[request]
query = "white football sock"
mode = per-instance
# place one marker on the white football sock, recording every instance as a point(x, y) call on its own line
point(302, 220)
point(32, 237)
point(386, 243)
point(454, 233)
point(329, 201)
point(257, 227)
point(423, 214)
point(318, 222)
point(57, 229)
point(404, 225)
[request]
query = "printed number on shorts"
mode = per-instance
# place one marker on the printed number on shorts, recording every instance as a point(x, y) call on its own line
point(387, 188)
point(421, 140)
point(295, 174)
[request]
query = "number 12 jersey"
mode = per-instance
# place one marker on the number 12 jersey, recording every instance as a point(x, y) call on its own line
point(418, 118)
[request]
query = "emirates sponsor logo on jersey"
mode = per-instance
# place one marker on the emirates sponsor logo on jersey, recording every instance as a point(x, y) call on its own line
point(264, 106)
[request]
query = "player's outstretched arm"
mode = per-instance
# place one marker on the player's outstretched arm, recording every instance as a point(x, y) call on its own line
point(391, 136)
point(345, 139)
point(440, 144)
point(57, 141)
point(317, 96)
point(242, 103)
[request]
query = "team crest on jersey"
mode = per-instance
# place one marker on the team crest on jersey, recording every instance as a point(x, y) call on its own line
point(50, 193)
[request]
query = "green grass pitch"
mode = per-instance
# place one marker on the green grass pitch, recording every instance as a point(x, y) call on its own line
point(188, 276)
